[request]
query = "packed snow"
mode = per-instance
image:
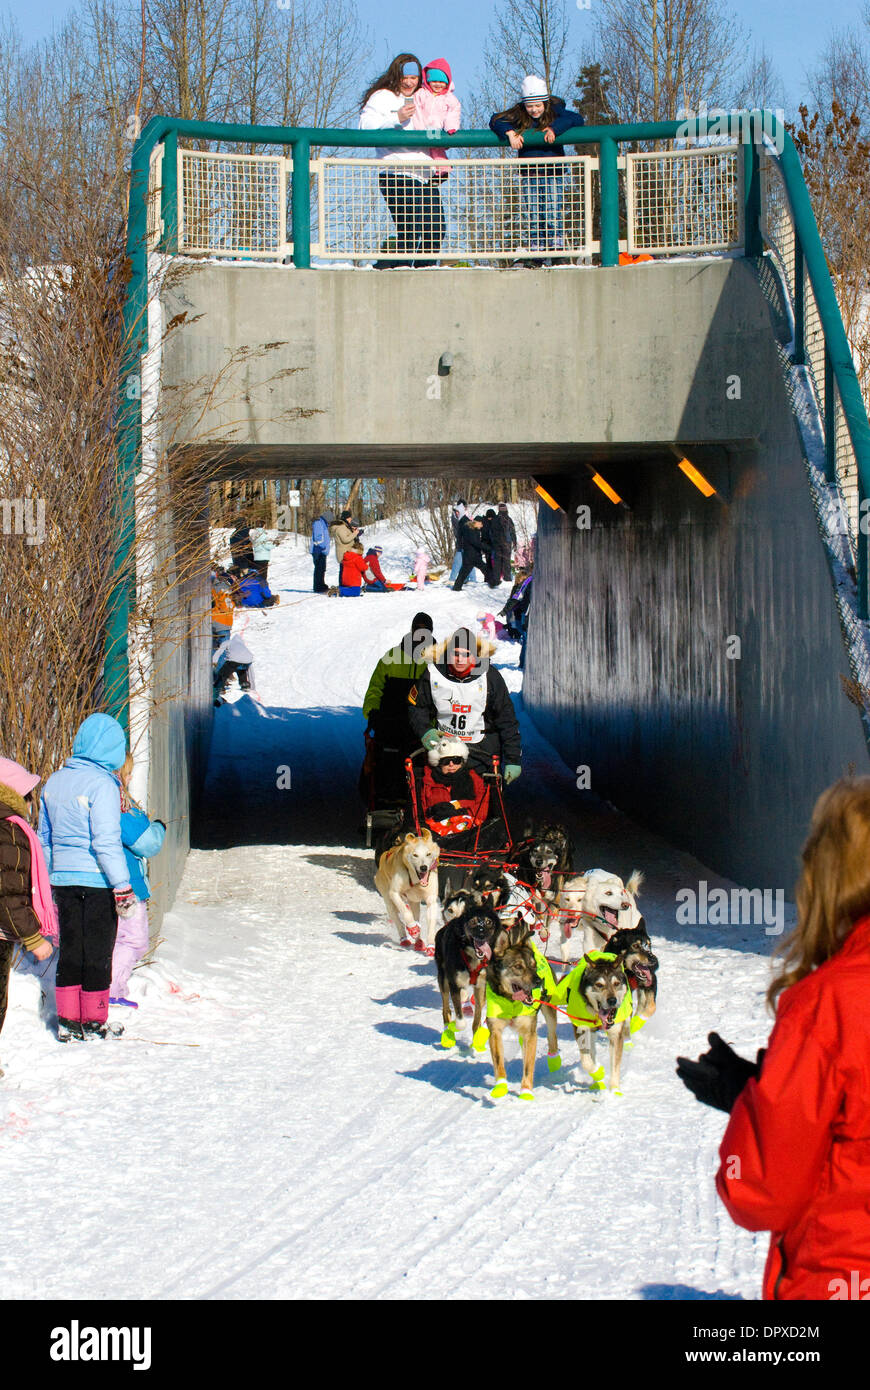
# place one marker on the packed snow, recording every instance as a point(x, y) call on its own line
point(279, 1120)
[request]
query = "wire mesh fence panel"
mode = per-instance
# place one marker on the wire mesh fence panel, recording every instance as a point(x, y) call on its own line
point(814, 343)
point(430, 209)
point(684, 200)
point(847, 466)
point(777, 224)
point(154, 216)
point(232, 205)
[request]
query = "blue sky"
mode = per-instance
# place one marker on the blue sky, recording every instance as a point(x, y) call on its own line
point(793, 31)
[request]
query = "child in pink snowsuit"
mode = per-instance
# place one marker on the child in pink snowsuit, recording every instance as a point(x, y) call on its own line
point(437, 108)
point(141, 838)
point(421, 565)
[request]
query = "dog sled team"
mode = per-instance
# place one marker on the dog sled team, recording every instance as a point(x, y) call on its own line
point(459, 890)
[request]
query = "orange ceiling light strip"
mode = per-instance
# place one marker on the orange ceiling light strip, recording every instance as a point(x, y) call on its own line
point(606, 488)
point(697, 478)
point(550, 501)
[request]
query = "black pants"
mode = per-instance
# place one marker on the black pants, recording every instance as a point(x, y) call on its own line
point(319, 574)
point(501, 567)
point(478, 563)
point(416, 210)
point(225, 673)
point(7, 950)
point(88, 926)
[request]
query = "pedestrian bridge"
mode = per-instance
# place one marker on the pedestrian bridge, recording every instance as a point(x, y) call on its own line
point(698, 645)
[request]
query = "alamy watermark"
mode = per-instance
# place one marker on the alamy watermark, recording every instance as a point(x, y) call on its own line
point(23, 516)
point(739, 907)
point(734, 126)
point(77, 1343)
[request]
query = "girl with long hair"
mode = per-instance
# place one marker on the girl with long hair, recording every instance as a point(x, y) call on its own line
point(407, 187)
point(795, 1158)
point(541, 174)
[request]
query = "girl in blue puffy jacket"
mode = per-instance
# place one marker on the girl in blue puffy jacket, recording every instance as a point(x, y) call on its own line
point(80, 831)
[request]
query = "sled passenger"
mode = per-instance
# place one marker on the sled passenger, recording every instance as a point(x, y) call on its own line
point(462, 694)
point(795, 1158)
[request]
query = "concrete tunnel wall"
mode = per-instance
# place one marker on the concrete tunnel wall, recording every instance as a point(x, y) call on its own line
point(546, 364)
point(627, 668)
point(180, 695)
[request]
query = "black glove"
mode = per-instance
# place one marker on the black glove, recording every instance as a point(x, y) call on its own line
point(718, 1076)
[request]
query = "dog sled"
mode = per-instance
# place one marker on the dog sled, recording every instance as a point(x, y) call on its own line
point(382, 786)
point(477, 835)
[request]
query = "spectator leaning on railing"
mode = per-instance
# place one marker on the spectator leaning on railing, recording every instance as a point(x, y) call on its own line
point(541, 173)
point(409, 190)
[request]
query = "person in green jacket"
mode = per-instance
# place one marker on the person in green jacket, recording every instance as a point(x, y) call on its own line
point(385, 706)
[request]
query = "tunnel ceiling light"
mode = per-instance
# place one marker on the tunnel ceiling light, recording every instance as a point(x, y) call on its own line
point(606, 489)
point(550, 501)
point(697, 478)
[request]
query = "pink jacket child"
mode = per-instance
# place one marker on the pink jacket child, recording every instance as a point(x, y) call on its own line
point(421, 565)
point(437, 107)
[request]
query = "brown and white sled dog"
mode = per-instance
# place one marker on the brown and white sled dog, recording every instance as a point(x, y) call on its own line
point(512, 977)
point(408, 874)
point(602, 989)
point(592, 906)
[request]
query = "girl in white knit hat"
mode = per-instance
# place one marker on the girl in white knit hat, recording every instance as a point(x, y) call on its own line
point(542, 170)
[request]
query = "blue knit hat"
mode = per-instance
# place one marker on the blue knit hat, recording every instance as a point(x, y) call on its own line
point(436, 75)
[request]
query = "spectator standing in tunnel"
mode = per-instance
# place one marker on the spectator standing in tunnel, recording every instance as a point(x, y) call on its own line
point(241, 546)
point(489, 540)
point(28, 920)
point(262, 548)
point(505, 538)
point(462, 694)
point(458, 520)
point(222, 604)
point(344, 533)
point(320, 551)
point(472, 552)
point(795, 1157)
point(406, 175)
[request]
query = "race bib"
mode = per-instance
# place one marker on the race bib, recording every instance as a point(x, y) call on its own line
point(459, 706)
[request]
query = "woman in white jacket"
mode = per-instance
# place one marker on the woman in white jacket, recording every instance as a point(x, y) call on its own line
point(411, 194)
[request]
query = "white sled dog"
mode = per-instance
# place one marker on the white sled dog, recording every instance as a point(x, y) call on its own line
point(592, 906)
point(408, 873)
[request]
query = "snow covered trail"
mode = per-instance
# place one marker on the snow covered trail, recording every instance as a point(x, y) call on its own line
point(299, 1132)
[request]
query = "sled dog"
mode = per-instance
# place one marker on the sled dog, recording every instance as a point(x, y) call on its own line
point(597, 990)
point(595, 904)
point(634, 947)
point(518, 981)
point(463, 949)
point(408, 874)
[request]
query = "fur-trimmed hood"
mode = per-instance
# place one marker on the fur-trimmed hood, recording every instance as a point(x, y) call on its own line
point(438, 651)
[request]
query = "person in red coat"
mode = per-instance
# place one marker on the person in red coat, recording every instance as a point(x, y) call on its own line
point(795, 1159)
point(352, 569)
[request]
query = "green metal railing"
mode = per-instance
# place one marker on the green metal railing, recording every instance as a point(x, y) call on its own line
point(749, 128)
